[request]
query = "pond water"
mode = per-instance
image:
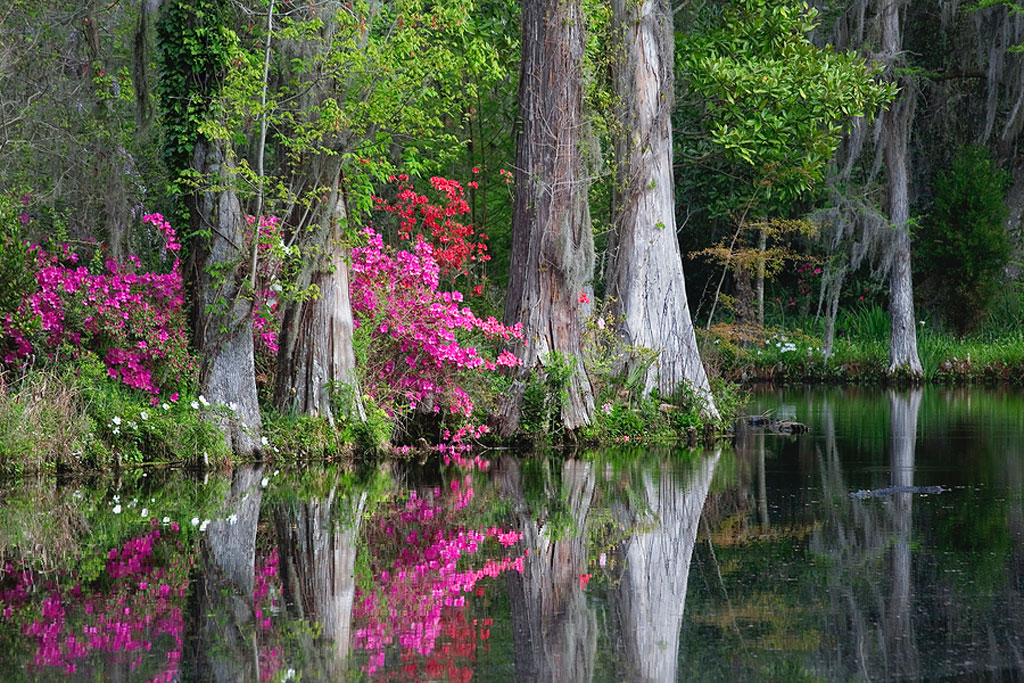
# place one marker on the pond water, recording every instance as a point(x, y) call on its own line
point(750, 561)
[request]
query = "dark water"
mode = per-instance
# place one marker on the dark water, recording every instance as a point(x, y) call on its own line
point(747, 562)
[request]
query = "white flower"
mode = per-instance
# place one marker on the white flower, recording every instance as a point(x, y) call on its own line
point(195, 405)
point(166, 520)
point(233, 518)
point(289, 674)
point(600, 323)
point(276, 472)
point(263, 440)
point(202, 399)
point(117, 509)
point(206, 523)
point(117, 499)
point(233, 406)
point(264, 482)
point(144, 415)
point(117, 420)
point(145, 512)
point(165, 406)
point(276, 288)
point(117, 430)
point(195, 521)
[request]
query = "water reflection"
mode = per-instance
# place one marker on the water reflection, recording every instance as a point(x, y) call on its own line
point(752, 562)
point(220, 644)
point(555, 631)
point(649, 598)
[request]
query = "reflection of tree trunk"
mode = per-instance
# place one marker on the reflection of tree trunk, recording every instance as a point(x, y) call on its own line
point(651, 594)
point(222, 647)
point(555, 631)
point(762, 483)
point(899, 634)
point(317, 551)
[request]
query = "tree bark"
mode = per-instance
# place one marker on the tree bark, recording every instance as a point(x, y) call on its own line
point(650, 597)
point(316, 355)
point(896, 132)
point(552, 247)
point(555, 631)
point(227, 374)
point(646, 284)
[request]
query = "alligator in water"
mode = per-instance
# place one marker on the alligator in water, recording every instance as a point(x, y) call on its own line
point(881, 493)
point(775, 425)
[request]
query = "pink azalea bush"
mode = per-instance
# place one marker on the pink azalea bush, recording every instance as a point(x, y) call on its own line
point(417, 356)
point(131, 318)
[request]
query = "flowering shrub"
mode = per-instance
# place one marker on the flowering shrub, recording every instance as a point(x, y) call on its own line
point(455, 244)
point(131, 318)
point(418, 607)
point(266, 319)
point(415, 355)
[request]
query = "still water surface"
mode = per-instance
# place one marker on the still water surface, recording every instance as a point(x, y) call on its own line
point(750, 561)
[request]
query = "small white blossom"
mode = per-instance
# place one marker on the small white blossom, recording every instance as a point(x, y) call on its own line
point(117, 509)
point(117, 430)
point(233, 406)
point(195, 521)
point(206, 523)
point(144, 415)
point(145, 512)
point(233, 518)
point(202, 399)
point(264, 482)
point(166, 520)
point(263, 440)
point(165, 406)
point(195, 405)
point(117, 420)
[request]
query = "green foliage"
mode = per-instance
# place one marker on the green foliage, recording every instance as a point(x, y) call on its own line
point(963, 246)
point(194, 41)
point(16, 274)
point(766, 108)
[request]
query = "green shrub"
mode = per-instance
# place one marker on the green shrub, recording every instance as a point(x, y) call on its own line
point(963, 246)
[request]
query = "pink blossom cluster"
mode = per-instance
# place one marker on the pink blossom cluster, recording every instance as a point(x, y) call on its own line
point(415, 328)
point(454, 448)
point(133, 319)
point(421, 591)
point(139, 610)
point(266, 592)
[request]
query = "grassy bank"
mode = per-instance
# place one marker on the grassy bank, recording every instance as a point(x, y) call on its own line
point(860, 354)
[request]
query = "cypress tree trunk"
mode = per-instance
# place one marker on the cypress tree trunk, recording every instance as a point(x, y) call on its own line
point(227, 373)
point(552, 246)
point(645, 281)
point(316, 351)
point(896, 131)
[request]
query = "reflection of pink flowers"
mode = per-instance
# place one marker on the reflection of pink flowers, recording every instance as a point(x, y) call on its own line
point(141, 609)
point(422, 593)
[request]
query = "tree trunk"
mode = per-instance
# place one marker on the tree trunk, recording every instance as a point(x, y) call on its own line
point(646, 284)
point(316, 355)
point(896, 131)
point(555, 631)
point(317, 551)
point(552, 247)
point(650, 597)
point(315, 352)
point(227, 374)
point(222, 647)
